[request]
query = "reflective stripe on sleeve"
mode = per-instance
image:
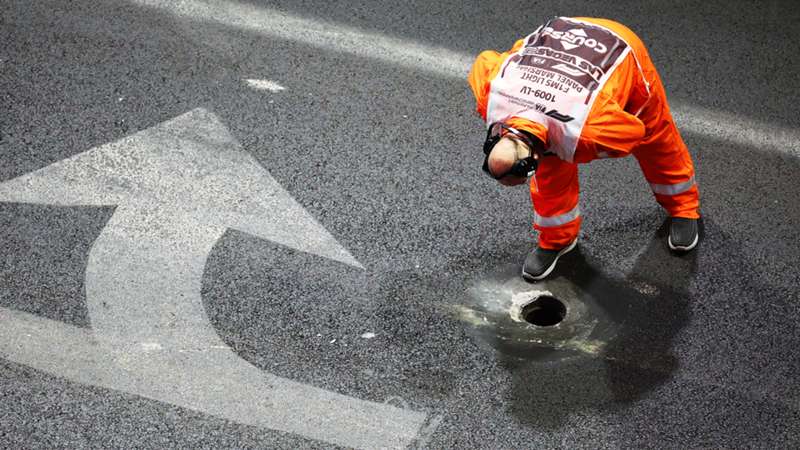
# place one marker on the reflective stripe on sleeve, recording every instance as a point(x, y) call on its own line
point(672, 189)
point(555, 221)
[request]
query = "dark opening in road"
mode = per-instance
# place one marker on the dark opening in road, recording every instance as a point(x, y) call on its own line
point(545, 311)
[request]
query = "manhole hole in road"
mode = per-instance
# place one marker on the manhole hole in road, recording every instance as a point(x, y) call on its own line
point(545, 311)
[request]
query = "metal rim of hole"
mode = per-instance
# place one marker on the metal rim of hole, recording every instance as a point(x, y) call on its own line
point(544, 311)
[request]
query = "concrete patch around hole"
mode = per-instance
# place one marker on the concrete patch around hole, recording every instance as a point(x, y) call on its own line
point(519, 300)
point(494, 312)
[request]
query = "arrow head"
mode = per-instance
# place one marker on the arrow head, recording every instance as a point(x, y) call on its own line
point(190, 166)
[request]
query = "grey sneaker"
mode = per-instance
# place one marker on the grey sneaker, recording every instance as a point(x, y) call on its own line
point(540, 262)
point(682, 234)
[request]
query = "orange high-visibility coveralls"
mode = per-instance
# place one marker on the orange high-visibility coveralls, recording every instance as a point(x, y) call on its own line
point(612, 129)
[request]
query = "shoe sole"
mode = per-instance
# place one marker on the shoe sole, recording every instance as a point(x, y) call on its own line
point(544, 274)
point(679, 248)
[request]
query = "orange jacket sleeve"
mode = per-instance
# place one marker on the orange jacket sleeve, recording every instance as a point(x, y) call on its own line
point(610, 127)
point(480, 77)
point(483, 72)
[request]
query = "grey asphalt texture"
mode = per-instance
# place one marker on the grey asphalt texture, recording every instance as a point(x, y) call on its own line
point(387, 159)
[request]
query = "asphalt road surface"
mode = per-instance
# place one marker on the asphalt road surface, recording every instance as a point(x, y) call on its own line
point(264, 225)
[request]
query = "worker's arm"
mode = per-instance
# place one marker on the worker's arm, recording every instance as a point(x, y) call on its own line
point(483, 71)
point(612, 128)
point(610, 131)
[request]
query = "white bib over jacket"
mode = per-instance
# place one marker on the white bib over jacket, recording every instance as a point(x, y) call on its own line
point(554, 79)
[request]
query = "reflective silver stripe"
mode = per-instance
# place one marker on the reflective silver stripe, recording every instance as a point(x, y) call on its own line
point(672, 189)
point(602, 155)
point(561, 219)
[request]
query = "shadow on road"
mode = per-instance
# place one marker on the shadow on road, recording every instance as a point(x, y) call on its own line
point(644, 312)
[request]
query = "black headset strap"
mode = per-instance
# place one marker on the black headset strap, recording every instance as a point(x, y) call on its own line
point(534, 143)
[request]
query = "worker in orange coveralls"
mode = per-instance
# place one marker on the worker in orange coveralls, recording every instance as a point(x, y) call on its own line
point(575, 90)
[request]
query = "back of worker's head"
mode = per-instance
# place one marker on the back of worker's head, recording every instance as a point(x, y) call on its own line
point(502, 158)
point(511, 155)
point(505, 153)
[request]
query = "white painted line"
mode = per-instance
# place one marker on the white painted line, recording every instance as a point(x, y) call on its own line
point(264, 85)
point(440, 61)
point(216, 383)
point(325, 35)
point(178, 187)
point(735, 129)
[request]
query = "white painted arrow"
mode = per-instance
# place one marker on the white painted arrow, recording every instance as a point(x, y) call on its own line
point(178, 187)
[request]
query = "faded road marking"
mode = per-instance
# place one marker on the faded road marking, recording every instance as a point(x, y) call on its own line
point(178, 187)
point(264, 85)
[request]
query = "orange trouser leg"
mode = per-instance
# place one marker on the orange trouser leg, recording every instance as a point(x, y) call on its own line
point(554, 193)
point(665, 160)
